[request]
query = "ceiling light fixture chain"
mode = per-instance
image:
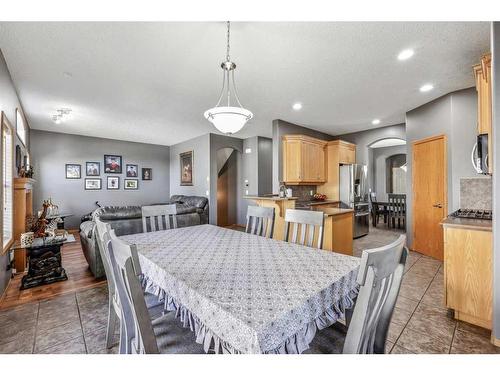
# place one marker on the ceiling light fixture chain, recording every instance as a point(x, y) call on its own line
point(228, 37)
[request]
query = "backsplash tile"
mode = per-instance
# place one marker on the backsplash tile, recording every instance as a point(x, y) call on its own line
point(476, 193)
point(303, 192)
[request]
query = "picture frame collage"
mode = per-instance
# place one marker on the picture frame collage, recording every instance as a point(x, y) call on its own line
point(113, 166)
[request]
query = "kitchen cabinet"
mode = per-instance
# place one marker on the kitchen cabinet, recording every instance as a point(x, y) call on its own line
point(337, 152)
point(468, 274)
point(482, 75)
point(303, 160)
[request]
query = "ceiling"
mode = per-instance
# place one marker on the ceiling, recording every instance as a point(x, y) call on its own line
point(151, 82)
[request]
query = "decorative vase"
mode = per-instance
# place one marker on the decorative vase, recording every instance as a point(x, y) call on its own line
point(27, 239)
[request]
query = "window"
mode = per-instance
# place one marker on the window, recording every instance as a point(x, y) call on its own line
point(21, 127)
point(7, 182)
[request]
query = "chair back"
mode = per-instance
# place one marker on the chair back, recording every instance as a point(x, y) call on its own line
point(159, 217)
point(373, 197)
point(102, 229)
point(397, 204)
point(260, 221)
point(304, 222)
point(133, 305)
point(379, 277)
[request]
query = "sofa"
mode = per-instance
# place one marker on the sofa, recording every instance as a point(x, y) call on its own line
point(191, 210)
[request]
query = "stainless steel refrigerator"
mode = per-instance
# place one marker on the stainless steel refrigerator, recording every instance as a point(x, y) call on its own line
point(354, 194)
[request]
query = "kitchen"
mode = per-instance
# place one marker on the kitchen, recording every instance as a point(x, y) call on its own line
point(456, 220)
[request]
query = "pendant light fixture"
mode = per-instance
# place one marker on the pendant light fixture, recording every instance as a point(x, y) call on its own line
point(228, 119)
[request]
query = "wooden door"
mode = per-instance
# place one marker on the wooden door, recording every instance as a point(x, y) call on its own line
point(222, 199)
point(429, 182)
point(309, 168)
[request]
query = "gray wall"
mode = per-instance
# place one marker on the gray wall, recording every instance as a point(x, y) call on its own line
point(281, 128)
point(265, 165)
point(9, 101)
point(363, 139)
point(51, 151)
point(379, 171)
point(455, 116)
point(495, 43)
point(201, 166)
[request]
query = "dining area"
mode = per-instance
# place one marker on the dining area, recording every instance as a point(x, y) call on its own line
point(243, 291)
point(392, 212)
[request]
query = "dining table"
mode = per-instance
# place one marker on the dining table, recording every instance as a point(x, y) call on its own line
point(242, 293)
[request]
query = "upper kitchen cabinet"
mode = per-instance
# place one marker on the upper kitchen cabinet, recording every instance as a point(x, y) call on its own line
point(303, 160)
point(337, 152)
point(482, 74)
point(346, 150)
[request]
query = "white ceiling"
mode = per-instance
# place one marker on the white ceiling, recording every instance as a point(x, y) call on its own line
point(388, 142)
point(151, 82)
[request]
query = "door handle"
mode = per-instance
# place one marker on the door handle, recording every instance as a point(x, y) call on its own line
point(437, 205)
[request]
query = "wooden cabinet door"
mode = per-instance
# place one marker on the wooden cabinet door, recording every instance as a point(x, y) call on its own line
point(292, 161)
point(429, 195)
point(347, 154)
point(309, 169)
point(468, 274)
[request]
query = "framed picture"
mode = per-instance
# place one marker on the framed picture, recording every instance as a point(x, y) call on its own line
point(113, 183)
point(186, 168)
point(112, 164)
point(147, 174)
point(93, 168)
point(73, 171)
point(92, 184)
point(132, 170)
point(131, 184)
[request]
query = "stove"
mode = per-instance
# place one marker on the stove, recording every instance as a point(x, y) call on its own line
point(473, 214)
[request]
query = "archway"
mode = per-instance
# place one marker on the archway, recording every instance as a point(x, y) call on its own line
point(227, 186)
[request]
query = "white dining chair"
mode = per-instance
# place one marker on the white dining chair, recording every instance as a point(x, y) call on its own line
point(154, 305)
point(260, 221)
point(308, 222)
point(159, 217)
point(162, 335)
point(380, 275)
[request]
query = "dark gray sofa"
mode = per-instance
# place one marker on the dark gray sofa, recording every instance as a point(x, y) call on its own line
point(191, 210)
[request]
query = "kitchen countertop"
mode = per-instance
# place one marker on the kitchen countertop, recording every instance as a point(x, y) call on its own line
point(269, 198)
point(319, 203)
point(474, 224)
point(333, 211)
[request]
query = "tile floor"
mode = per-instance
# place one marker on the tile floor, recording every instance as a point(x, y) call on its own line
point(76, 322)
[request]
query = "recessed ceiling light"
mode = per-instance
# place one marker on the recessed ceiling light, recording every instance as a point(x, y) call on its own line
point(376, 121)
point(405, 54)
point(426, 87)
point(297, 106)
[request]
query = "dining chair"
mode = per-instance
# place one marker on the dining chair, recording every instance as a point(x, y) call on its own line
point(397, 210)
point(155, 306)
point(377, 211)
point(380, 275)
point(162, 335)
point(157, 215)
point(260, 221)
point(307, 222)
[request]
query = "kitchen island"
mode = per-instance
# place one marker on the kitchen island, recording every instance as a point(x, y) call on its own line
point(280, 205)
point(338, 235)
point(338, 232)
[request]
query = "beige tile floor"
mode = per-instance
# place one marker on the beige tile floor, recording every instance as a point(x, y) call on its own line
point(75, 323)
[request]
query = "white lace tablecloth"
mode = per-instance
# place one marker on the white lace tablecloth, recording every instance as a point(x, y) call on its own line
point(242, 293)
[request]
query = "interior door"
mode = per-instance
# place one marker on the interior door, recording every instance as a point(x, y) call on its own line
point(429, 182)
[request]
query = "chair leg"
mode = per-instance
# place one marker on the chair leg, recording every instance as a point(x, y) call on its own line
point(110, 330)
point(123, 339)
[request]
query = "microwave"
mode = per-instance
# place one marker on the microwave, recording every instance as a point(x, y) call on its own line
point(480, 154)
